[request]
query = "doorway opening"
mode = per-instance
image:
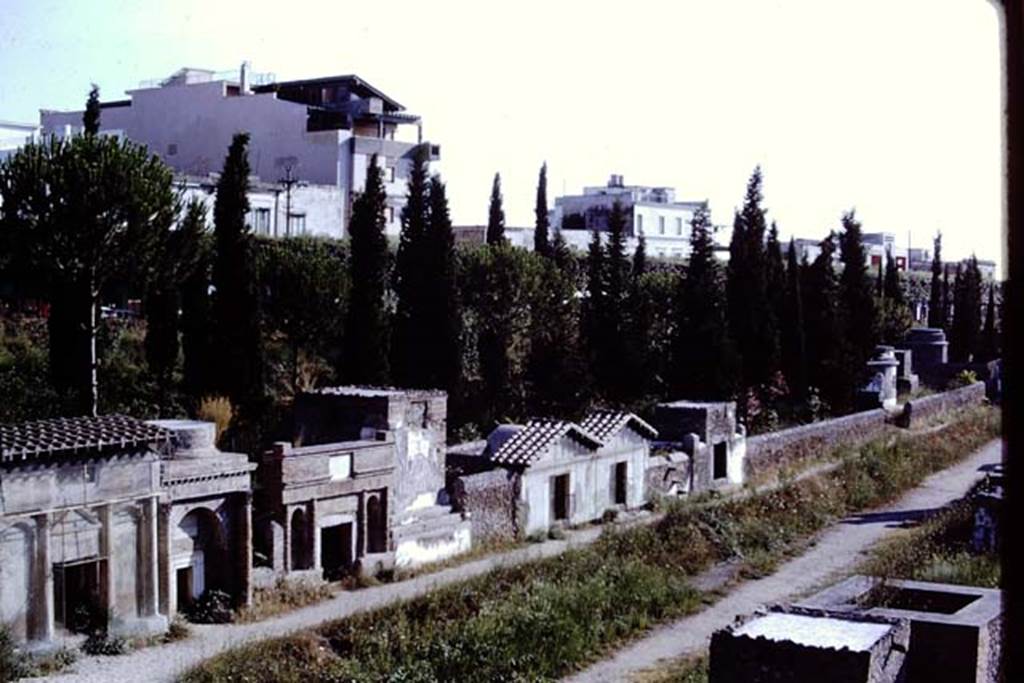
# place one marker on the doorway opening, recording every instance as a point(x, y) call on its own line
point(720, 466)
point(336, 550)
point(560, 497)
point(79, 591)
point(621, 472)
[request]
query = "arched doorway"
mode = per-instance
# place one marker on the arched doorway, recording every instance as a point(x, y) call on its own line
point(200, 556)
point(302, 557)
point(376, 525)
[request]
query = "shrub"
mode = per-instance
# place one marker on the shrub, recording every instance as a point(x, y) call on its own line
point(609, 516)
point(556, 533)
point(962, 379)
point(177, 630)
point(216, 409)
point(13, 664)
point(213, 607)
point(105, 645)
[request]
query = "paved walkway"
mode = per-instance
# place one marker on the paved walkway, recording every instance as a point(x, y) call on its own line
point(837, 549)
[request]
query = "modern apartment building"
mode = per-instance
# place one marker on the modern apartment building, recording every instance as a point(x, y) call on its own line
point(319, 132)
point(651, 211)
point(13, 135)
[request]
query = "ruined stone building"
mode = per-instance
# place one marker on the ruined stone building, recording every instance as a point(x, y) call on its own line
point(360, 487)
point(525, 479)
point(700, 447)
point(115, 522)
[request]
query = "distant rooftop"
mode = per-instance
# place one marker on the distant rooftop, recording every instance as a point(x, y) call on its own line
point(24, 441)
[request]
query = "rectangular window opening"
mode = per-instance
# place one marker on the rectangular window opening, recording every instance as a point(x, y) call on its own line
point(720, 466)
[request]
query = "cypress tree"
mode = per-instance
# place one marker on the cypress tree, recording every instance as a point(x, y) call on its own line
point(443, 320)
point(364, 356)
point(410, 361)
point(935, 300)
point(792, 335)
point(236, 314)
point(824, 334)
point(894, 314)
point(856, 306)
point(989, 346)
point(893, 287)
point(196, 324)
point(947, 300)
point(560, 251)
point(775, 280)
point(750, 316)
point(704, 361)
point(496, 214)
point(594, 305)
point(91, 116)
point(541, 242)
point(612, 368)
point(966, 327)
point(880, 280)
point(640, 256)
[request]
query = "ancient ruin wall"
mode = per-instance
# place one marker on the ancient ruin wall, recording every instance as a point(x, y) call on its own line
point(920, 410)
point(811, 440)
point(491, 499)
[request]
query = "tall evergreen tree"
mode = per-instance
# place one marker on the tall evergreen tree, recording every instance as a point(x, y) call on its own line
point(935, 300)
point(826, 345)
point(560, 251)
point(775, 280)
point(364, 355)
point(236, 312)
point(91, 116)
point(893, 286)
point(496, 214)
point(750, 316)
point(880, 276)
point(443, 321)
point(989, 345)
point(894, 314)
point(196, 324)
point(704, 361)
point(179, 257)
point(791, 328)
point(594, 306)
point(640, 256)
point(410, 362)
point(541, 241)
point(966, 328)
point(856, 306)
point(612, 369)
point(947, 300)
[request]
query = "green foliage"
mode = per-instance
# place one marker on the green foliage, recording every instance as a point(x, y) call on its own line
point(541, 239)
point(792, 332)
point(964, 342)
point(704, 358)
point(823, 326)
point(83, 211)
point(105, 645)
point(12, 663)
point(364, 354)
point(91, 115)
point(857, 309)
point(496, 215)
point(236, 310)
point(989, 345)
point(212, 607)
point(963, 378)
point(936, 306)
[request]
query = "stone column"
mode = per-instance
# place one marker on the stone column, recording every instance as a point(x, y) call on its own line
point(42, 606)
point(287, 559)
point(245, 547)
point(151, 568)
point(168, 601)
point(107, 546)
point(315, 540)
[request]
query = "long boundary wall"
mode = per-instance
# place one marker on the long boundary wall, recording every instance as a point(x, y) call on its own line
point(922, 409)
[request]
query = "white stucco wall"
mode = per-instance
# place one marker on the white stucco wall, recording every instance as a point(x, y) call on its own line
point(415, 551)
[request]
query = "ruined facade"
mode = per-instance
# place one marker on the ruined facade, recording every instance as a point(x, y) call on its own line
point(527, 478)
point(700, 445)
point(114, 523)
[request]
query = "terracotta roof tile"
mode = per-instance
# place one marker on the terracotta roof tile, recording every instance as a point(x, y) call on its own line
point(25, 441)
point(530, 442)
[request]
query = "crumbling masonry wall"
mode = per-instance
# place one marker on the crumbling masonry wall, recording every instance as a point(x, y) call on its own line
point(920, 410)
point(492, 500)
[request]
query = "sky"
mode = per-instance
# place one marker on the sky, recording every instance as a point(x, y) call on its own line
point(891, 108)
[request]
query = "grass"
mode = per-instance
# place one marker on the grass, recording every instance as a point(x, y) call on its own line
point(683, 670)
point(937, 550)
point(284, 596)
point(543, 619)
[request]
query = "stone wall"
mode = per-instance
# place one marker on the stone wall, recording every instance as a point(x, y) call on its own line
point(920, 410)
point(492, 501)
point(811, 440)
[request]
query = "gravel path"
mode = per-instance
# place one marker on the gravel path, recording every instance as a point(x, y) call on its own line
point(837, 549)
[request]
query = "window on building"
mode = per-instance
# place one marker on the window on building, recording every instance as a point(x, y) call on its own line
point(172, 149)
point(296, 224)
point(679, 227)
point(720, 465)
point(560, 497)
point(620, 472)
point(661, 225)
point(391, 174)
point(261, 221)
point(391, 214)
point(639, 222)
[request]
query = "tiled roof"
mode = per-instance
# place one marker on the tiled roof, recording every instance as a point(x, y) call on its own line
point(531, 441)
point(30, 440)
point(606, 423)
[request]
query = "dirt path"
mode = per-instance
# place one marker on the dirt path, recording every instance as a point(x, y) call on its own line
point(837, 549)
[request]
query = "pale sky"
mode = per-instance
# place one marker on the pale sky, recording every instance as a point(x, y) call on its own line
point(892, 107)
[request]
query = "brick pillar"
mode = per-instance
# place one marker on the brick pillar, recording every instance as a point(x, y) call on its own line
point(151, 569)
point(245, 549)
point(42, 607)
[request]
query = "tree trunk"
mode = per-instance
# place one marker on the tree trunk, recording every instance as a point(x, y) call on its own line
point(94, 388)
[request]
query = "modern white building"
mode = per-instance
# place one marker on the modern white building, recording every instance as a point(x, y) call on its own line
point(650, 211)
point(13, 135)
point(320, 132)
point(876, 246)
